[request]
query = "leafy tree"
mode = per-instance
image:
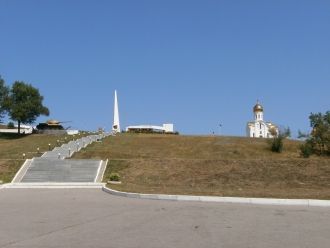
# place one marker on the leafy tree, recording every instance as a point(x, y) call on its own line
point(24, 104)
point(319, 139)
point(3, 95)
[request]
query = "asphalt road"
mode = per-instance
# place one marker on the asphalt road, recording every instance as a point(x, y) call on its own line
point(92, 218)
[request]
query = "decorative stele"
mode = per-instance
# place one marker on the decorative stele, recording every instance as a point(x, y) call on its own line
point(116, 124)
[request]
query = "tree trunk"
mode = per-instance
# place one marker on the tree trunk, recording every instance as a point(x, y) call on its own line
point(19, 127)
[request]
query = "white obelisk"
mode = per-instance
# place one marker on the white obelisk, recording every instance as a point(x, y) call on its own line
point(116, 124)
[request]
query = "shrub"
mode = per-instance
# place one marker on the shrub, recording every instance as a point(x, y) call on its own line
point(114, 177)
point(306, 150)
point(277, 144)
point(10, 125)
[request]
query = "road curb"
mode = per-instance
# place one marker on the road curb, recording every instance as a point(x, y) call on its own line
point(240, 200)
point(53, 186)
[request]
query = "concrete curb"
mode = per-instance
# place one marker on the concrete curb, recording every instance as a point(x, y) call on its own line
point(240, 200)
point(53, 186)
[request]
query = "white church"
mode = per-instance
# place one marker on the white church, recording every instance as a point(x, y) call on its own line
point(259, 128)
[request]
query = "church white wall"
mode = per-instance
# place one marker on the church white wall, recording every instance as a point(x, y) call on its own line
point(248, 131)
point(259, 116)
point(258, 129)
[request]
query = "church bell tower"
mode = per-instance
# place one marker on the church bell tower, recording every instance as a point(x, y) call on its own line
point(258, 111)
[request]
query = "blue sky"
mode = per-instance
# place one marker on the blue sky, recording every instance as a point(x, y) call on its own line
point(193, 63)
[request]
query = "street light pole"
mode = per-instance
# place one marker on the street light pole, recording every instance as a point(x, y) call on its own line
point(220, 126)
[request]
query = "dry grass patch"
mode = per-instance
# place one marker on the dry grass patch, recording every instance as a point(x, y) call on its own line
point(223, 166)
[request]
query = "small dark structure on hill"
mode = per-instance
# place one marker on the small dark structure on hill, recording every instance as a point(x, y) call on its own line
point(51, 127)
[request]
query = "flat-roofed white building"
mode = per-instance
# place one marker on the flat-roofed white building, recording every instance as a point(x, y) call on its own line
point(166, 128)
point(24, 129)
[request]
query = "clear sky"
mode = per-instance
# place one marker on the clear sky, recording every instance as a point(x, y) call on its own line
point(192, 63)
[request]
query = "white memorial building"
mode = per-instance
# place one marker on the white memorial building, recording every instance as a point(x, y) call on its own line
point(166, 128)
point(259, 128)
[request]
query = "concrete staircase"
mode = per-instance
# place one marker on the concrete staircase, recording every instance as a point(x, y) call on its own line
point(52, 169)
point(67, 150)
point(57, 170)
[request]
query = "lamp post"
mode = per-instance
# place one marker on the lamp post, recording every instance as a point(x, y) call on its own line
point(220, 126)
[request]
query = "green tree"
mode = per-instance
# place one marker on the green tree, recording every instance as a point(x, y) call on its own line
point(24, 104)
point(3, 95)
point(319, 139)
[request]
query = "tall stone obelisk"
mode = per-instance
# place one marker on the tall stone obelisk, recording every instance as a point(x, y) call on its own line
point(116, 124)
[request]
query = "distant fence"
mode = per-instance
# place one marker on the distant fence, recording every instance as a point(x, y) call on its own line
point(57, 132)
point(15, 130)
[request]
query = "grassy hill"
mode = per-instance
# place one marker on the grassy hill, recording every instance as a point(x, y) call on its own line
point(223, 166)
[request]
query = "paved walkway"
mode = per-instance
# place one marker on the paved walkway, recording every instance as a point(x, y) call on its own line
point(91, 218)
point(53, 167)
point(67, 150)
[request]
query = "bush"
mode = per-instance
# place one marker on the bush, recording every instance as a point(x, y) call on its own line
point(114, 177)
point(306, 150)
point(277, 144)
point(10, 125)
